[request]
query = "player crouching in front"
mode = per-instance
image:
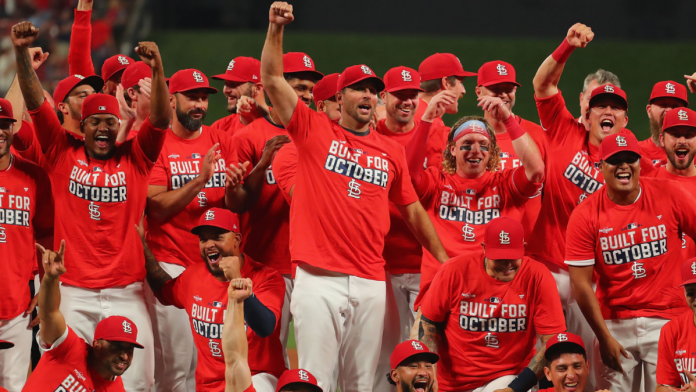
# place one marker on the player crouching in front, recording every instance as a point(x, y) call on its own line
point(412, 367)
point(567, 366)
point(484, 310)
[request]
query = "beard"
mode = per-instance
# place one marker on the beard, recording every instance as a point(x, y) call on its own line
point(689, 162)
point(655, 128)
point(189, 122)
point(232, 108)
point(74, 114)
point(408, 387)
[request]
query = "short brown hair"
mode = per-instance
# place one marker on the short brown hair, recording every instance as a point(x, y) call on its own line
point(449, 161)
point(433, 85)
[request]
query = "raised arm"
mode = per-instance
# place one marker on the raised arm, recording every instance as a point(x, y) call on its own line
point(422, 227)
point(80, 52)
point(14, 94)
point(23, 35)
point(151, 141)
point(52, 321)
point(549, 74)
point(283, 97)
point(235, 347)
point(428, 333)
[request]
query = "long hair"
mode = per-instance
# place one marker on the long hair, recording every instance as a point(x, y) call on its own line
point(449, 161)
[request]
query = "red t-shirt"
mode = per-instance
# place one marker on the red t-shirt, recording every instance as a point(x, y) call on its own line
point(339, 215)
point(64, 367)
point(655, 154)
point(26, 146)
point(98, 203)
point(509, 160)
point(26, 213)
point(676, 351)
point(230, 124)
point(461, 208)
point(179, 162)
point(572, 175)
point(250, 389)
point(639, 246)
point(266, 226)
point(284, 169)
point(205, 300)
point(491, 326)
point(402, 251)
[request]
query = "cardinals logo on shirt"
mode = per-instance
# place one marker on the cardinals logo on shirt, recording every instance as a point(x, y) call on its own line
point(491, 340)
point(502, 71)
point(638, 270)
point(621, 141)
point(354, 189)
point(406, 76)
point(215, 349)
point(683, 115)
point(127, 327)
point(202, 199)
point(468, 233)
point(3, 236)
point(669, 88)
point(94, 211)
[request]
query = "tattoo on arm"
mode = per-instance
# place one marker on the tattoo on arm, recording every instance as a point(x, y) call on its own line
point(428, 333)
point(156, 276)
point(538, 361)
point(28, 81)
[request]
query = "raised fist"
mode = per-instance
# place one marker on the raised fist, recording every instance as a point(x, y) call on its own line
point(240, 289)
point(579, 35)
point(280, 13)
point(437, 106)
point(231, 266)
point(53, 262)
point(149, 53)
point(24, 34)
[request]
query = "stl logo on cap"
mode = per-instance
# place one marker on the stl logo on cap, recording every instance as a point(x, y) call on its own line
point(502, 71)
point(416, 345)
point(123, 60)
point(307, 61)
point(127, 327)
point(79, 76)
point(102, 107)
point(621, 141)
point(366, 70)
point(504, 238)
point(229, 67)
point(209, 215)
point(608, 89)
point(562, 337)
point(693, 268)
point(303, 375)
point(683, 115)
point(669, 88)
point(197, 77)
point(406, 76)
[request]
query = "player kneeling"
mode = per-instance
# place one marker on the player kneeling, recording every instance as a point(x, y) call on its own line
point(567, 366)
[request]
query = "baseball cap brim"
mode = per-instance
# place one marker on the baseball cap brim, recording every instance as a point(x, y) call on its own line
point(492, 82)
point(378, 82)
point(615, 96)
point(550, 352)
point(198, 228)
point(607, 156)
point(318, 75)
point(118, 339)
point(403, 88)
point(210, 90)
point(465, 74)
point(504, 254)
point(94, 80)
point(690, 281)
point(231, 78)
point(428, 356)
point(686, 104)
point(311, 386)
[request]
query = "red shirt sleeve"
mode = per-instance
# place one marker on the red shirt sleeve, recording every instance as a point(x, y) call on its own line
point(148, 145)
point(666, 370)
point(80, 52)
point(401, 191)
point(580, 238)
point(50, 133)
point(555, 118)
point(427, 188)
point(299, 125)
point(522, 186)
point(244, 146)
point(284, 169)
point(686, 206)
point(26, 145)
point(173, 291)
point(159, 176)
point(548, 313)
point(436, 305)
point(270, 291)
point(61, 352)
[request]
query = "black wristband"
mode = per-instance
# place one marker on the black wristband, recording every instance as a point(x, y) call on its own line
point(524, 381)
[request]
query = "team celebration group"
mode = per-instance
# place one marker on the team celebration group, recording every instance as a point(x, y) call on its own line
point(494, 255)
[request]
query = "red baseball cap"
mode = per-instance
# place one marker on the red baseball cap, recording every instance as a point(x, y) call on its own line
point(117, 329)
point(669, 89)
point(299, 62)
point(558, 342)
point(242, 69)
point(218, 217)
point(66, 85)
point(355, 74)
point(135, 72)
point(326, 88)
point(5, 345)
point(294, 376)
point(681, 117)
point(494, 72)
point(114, 64)
point(504, 239)
point(409, 348)
point(618, 142)
point(442, 65)
point(189, 79)
point(609, 89)
point(688, 272)
point(100, 104)
point(6, 110)
point(402, 78)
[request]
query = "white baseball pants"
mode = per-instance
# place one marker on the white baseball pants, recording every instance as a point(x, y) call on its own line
point(263, 382)
point(498, 383)
point(639, 337)
point(84, 308)
point(286, 318)
point(15, 362)
point(391, 336)
point(406, 288)
point(175, 351)
point(338, 317)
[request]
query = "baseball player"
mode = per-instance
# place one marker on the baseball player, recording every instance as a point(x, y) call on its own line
point(483, 312)
point(236, 348)
point(592, 81)
point(80, 52)
point(346, 176)
point(100, 193)
point(440, 72)
point(629, 234)
point(498, 79)
point(135, 91)
point(567, 366)
point(202, 291)
point(26, 215)
point(242, 82)
point(665, 96)
point(68, 362)
point(412, 367)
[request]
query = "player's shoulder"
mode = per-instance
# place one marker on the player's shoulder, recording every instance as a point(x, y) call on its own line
point(28, 167)
point(536, 268)
point(461, 263)
point(225, 122)
point(679, 325)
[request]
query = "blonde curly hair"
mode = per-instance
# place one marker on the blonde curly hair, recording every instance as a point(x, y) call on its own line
point(449, 161)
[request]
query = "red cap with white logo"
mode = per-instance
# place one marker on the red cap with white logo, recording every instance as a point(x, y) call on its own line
point(618, 142)
point(100, 104)
point(358, 73)
point(494, 72)
point(688, 272)
point(298, 376)
point(609, 89)
point(409, 348)
point(114, 64)
point(326, 88)
point(442, 65)
point(561, 341)
point(680, 117)
point(6, 110)
point(300, 62)
point(134, 73)
point(402, 78)
point(117, 329)
point(65, 86)
point(669, 89)
point(189, 79)
point(242, 70)
point(504, 239)
point(220, 218)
